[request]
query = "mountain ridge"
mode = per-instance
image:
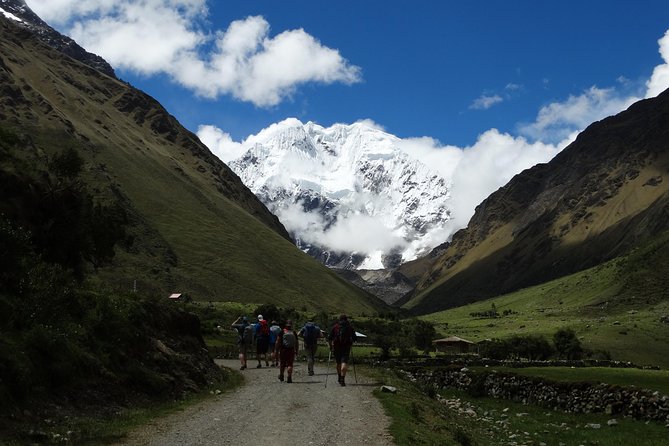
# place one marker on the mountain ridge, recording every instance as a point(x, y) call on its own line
point(598, 198)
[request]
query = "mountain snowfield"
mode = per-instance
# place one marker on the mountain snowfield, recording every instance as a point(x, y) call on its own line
point(347, 193)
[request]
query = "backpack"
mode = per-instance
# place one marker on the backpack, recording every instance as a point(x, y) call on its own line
point(275, 331)
point(311, 333)
point(264, 328)
point(247, 335)
point(343, 334)
point(288, 339)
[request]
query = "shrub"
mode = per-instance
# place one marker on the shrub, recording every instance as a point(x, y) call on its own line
point(567, 344)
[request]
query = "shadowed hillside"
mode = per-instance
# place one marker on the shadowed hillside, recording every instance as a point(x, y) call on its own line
point(195, 228)
point(604, 194)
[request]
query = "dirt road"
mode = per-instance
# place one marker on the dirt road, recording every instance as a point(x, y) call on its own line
point(267, 411)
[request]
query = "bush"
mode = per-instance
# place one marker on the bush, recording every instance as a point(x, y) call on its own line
point(516, 347)
point(567, 344)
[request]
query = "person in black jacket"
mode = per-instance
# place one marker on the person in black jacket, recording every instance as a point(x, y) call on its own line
point(341, 339)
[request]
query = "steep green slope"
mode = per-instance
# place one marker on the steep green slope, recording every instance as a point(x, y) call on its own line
point(621, 306)
point(196, 228)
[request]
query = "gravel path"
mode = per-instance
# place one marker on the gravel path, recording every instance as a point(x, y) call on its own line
point(267, 411)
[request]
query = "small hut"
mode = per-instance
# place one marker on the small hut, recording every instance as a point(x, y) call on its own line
point(452, 344)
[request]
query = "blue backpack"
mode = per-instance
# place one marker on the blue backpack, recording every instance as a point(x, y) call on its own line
point(311, 333)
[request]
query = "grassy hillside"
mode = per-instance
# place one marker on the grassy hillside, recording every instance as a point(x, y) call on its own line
point(616, 306)
point(196, 228)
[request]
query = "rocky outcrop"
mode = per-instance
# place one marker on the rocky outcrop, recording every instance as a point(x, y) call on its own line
point(388, 285)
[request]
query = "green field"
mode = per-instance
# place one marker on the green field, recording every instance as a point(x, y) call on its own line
point(457, 418)
point(615, 307)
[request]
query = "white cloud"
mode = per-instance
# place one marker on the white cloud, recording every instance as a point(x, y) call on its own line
point(220, 143)
point(659, 80)
point(558, 120)
point(352, 232)
point(476, 171)
point(484, 102)
point(372, 124)
point(162, 36)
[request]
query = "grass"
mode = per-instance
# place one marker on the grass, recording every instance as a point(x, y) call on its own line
point(615, 307)
point(459, 419)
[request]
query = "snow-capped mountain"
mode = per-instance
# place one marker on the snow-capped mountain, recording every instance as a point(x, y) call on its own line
point(347, 194)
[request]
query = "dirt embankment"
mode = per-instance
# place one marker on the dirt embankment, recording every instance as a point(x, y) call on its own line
point(267, 411)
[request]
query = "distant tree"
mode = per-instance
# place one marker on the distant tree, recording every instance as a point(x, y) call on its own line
point(268, 311)
point(422, 333)
point(567, 344)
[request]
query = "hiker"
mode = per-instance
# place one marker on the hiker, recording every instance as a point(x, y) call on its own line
point(261, 333)
point(310, 333)
point(341, 338)
point(274, 331)
point(244, 338)
point(287, 347)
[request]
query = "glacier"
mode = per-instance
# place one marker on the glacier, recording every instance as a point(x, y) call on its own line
point(347, 193)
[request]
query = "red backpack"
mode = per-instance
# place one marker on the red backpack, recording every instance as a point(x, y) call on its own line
point(264, 328)
point(343, 334)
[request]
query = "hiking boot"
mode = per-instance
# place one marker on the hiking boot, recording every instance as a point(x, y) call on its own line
point(281, 378)
point(342, 382)
point(289, 380)
point(242, 367)
point(340, 378)
point(259, 366)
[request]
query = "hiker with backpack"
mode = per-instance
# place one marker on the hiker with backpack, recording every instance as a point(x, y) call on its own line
point(274, 330)
point(341, 339)
point(244, 338)
point(287, 346)
point(310, 333)
point(261, 334)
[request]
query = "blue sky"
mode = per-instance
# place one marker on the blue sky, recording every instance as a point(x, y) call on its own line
point(442, 69)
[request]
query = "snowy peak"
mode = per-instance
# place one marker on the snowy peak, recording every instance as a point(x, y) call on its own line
point(347, 193)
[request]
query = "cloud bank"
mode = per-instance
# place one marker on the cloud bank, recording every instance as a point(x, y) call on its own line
point(163, 37)
point(476, 171)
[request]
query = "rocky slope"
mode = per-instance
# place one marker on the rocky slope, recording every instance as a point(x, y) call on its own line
point(602, 196)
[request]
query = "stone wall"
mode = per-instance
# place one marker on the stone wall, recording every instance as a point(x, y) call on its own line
point(568, 397)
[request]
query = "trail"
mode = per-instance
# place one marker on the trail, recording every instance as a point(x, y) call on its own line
point(267, 411)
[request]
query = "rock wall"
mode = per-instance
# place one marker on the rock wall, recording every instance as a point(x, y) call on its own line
point(579, 397)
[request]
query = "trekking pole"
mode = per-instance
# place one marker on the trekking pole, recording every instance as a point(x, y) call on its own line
point(327, 369)
point(355, 375)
